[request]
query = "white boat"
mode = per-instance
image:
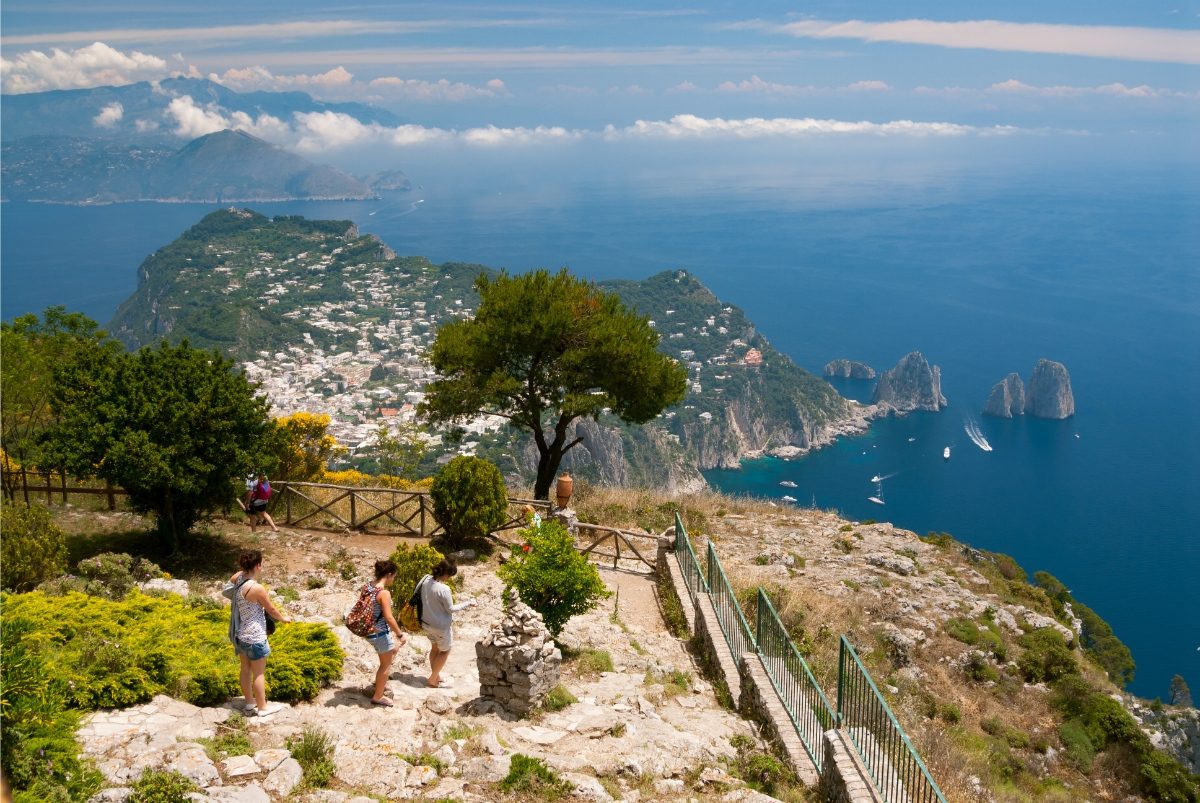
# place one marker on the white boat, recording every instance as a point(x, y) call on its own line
point(910, 440)
point(789, 499)
point(878, 497)
point(946, 453)
point(877, 478)
point(876, 500)
point(788, 484)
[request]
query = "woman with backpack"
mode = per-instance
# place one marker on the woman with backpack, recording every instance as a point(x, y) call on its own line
point(248, 629)
point(382, 639)
point(260, 495)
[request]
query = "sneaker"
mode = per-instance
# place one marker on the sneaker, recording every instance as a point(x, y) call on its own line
point(271, 708)
point(250, 711)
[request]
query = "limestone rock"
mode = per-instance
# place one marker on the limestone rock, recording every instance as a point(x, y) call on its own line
point(1050, 393)
point(284, 778)
point(236, 766)
point(849, 369)
point(251, 793)
point(190, 760)
point(912, 385)
point(179, 587)
point(270, 759)
point(900, 564)
point(587, 787)
point(517, 661)
point(1007, 398)
point(422, 776)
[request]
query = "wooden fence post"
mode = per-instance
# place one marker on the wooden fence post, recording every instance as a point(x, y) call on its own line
point(353, 518)
point(112, 497)
point(49, 489)
point(62, 475)
point(25, 485)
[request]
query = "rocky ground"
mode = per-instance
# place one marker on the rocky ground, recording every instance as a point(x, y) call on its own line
point(629, 737)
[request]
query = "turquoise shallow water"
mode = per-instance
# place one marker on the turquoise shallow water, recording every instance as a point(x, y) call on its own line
point(982, 273)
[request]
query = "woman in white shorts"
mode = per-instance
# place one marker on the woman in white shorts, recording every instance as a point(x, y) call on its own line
point(437, 617)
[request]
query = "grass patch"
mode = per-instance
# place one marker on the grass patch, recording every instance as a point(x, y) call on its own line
point(232, 739)
point(672, 608)
point(424, 760)
point(312, 582)
point(590, 662)
point(287, 593)
point(339, 563)
point(559, 698)
point(159, 786)
point(531, 776)
point(313, 750)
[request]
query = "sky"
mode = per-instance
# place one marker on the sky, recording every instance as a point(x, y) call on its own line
point(532, 73)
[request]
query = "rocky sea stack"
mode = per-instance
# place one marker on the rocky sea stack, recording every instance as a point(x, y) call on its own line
point(913, 384)
point(849, 369)
point(1007, 398)
point(1050, 393)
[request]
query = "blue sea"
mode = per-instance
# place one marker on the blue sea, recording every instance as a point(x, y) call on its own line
point(982, 270)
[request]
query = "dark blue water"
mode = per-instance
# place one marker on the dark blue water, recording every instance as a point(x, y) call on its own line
point(983, 273)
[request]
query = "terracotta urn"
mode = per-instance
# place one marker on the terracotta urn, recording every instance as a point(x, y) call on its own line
point(563, 488)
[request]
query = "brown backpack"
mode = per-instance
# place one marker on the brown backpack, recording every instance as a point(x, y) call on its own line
point(361, 619)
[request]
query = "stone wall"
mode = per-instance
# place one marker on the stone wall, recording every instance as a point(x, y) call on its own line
point(518, 661)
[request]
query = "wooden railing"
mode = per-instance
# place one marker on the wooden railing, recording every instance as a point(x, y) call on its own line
point(20, 483)
point(604, 535)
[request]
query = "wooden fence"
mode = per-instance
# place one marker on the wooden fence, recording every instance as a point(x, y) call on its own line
point(381, 511)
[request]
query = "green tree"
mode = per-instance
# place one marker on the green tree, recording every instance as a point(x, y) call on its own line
point(469, 498)
point(32, 349)
point(399, 453)
point(1180, 693)
point(544, 350)
point(32, 549)
point(172, 425)
point(551, 577)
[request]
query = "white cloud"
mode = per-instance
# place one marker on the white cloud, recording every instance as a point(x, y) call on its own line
point(192, 120)
point(1013, 86)
point(1101, 41)
point(688, 126)
point(249, 79)
point(109, 116)
point(868, 86)
point(94, 65)
point(756, 85)
point(441, 90)
point(491, 135)
point(684, 86)
point(145, 126)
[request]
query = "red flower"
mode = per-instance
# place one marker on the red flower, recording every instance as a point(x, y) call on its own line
point(526, 547)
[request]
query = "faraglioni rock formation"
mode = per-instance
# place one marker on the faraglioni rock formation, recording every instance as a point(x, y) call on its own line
point(1049, 394)
point(1007, 398)
point(913, 384)
point(849, 369)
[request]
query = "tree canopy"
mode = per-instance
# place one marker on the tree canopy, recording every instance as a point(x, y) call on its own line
point(174, 426)
point(544, 350)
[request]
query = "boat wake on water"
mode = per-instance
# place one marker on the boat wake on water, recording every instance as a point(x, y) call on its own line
point(971, 426)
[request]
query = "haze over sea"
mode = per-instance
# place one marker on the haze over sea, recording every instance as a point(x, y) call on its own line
point(982, 269)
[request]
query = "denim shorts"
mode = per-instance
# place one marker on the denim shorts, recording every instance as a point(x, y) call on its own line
point(383, 642)
point(255, 652)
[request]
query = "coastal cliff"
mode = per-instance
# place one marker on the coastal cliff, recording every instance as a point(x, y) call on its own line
point(1050, 394)
point(913, 384)
point(849, 369)
point(1007, 398)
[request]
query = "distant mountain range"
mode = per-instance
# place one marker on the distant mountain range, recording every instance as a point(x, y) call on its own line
point(144, 115)
point(61, 147)
point(225, 166)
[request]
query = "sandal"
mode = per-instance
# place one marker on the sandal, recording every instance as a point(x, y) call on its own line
point(385, 702)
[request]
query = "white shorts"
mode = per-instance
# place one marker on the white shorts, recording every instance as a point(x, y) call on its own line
point(444, 639)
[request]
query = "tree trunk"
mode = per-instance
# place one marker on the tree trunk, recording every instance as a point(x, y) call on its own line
point(547, 469)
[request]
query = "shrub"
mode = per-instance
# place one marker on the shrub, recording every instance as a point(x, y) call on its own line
point(559, 698)
point(1078, 748)
point(593, 662)
point(32, 549)
point(978, 669)
point(158, 786)
point(1098, 641)
point(313, 750)
point(532, 776)
point(759, 769)
point(114, 654)
point(1047, 657)
point(38, 751)
point(111, 575)
point(412, 563)
point(469, 499)
point(963, 630)
point(551, 577)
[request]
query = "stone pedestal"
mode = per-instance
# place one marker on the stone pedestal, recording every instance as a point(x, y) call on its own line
point(518, 662)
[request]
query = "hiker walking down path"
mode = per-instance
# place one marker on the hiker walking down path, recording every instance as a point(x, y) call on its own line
point(437, 617)
point(260, 495)
point(382, 639)
point(248, 630)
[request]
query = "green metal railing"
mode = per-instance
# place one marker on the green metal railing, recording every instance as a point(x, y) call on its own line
point(798, 690)
point(897, 770)
point(689, 564)
point(729, 610)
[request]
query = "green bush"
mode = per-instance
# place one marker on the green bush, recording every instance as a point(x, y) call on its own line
point(551, 577)
point(533, 777)
point(559, 698)
point(38, 751)
point(32, 549)
point(592, 661)
point(313, 750)
point(963, 630)
point(412, 563)
point(114, 654)
point(158, 786)
point(979, 669)
point(1047, 657)
point(111, 575)
point(759, 769)
point(1078, 747)
point(469, 499)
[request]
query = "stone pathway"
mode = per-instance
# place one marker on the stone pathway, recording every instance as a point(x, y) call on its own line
point(627, 736)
